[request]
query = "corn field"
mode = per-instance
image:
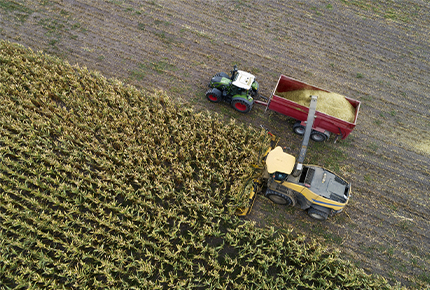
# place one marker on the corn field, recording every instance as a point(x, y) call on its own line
point(105, 186)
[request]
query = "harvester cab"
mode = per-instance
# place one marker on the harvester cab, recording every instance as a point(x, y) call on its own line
point(238, 90)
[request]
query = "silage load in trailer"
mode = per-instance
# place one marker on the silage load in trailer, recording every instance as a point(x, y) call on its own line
point(329, 103)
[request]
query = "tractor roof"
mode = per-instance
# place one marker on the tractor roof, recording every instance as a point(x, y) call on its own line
point(279, 161)
point(243, 80)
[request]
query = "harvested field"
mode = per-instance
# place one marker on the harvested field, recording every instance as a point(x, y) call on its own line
point(376, 52)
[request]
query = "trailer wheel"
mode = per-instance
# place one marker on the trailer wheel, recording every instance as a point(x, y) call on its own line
point(214, 95)
point(318, 136)
point(298, 128)
point(241, 105)
point(280, 198)
point(317, 214)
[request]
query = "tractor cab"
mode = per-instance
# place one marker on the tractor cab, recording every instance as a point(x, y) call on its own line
point(243, 80)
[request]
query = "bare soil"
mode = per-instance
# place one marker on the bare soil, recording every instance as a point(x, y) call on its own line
point(378, 53)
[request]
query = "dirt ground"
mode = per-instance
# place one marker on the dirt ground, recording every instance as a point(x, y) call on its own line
point(376, 52)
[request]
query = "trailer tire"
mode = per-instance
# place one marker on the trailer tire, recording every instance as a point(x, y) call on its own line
point(214, 95)
point(318, 136)
point(280, 198)
point(299, 129)
point(317, 214)
point(241, 105)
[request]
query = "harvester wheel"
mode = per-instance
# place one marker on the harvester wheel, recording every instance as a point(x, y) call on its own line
point(241, 105)
point(298, 128)
point(279, 198)
point(317, 214)
point(214, 95)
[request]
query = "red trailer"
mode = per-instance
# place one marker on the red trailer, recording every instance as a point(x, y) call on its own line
point(323, 124)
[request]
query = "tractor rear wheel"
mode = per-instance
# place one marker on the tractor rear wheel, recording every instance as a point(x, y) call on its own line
point(317, 214)
point(280, 198)
point(214, 95)
point(241, 105)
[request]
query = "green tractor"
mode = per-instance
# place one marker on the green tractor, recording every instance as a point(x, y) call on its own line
point(239, 89)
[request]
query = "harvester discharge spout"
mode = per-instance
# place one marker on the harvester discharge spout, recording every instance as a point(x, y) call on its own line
point(309, 123)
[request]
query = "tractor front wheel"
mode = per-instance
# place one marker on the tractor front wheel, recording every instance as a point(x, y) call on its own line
point(214, 95)
point(241, 105)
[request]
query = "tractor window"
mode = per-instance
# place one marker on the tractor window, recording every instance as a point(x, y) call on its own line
point(280, 176)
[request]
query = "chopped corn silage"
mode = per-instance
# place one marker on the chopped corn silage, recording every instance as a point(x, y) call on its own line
point(331, 104)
